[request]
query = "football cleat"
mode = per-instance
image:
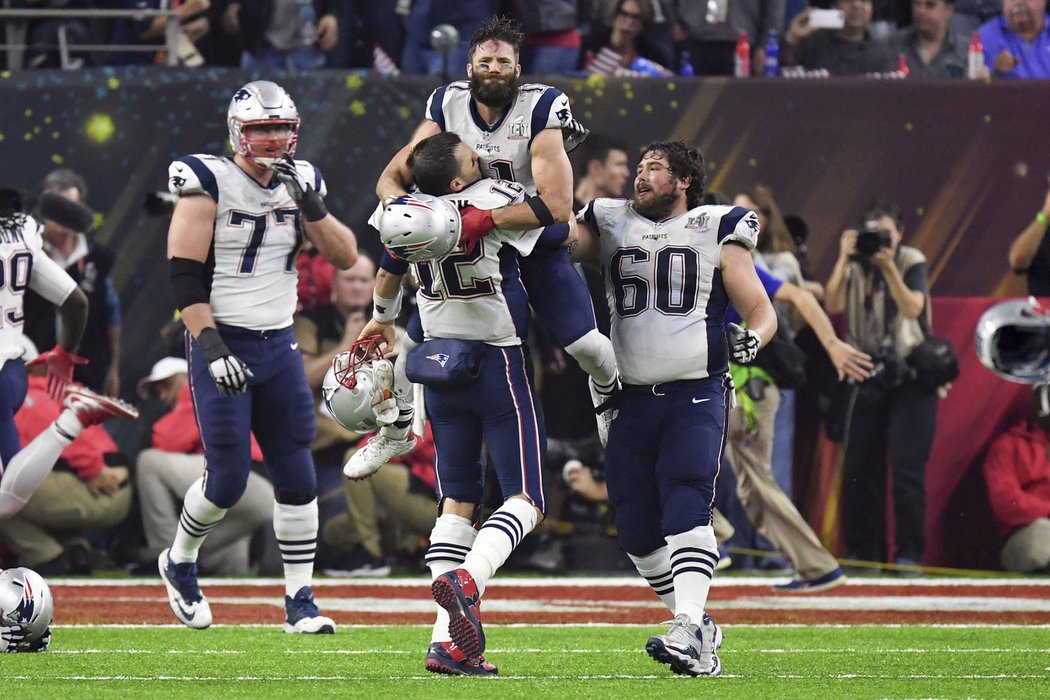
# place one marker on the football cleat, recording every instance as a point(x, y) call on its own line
point(457, 593)
point(184, 594)
point(689, 649)
point(446, 657)
point(379, 450)
point(91, 408)
point(604, 409)
point(303, 617)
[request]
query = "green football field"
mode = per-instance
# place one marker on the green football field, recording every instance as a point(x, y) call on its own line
point(578, 661)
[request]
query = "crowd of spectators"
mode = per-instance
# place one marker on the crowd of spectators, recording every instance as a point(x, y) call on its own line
point(920, 38)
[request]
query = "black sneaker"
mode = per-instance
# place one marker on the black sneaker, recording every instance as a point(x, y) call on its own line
point(360, 563)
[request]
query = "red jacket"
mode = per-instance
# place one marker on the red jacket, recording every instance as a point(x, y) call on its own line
point(1017, 472)
point(176, 431)
point(85, 453)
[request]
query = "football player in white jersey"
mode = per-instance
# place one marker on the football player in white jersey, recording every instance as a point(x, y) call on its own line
point(671, 267)
point(472, 305)
point(520, 133)
point(232, 244)
point(26, 266)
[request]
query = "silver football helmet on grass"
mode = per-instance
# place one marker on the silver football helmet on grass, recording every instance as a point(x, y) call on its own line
point(25, 598)
point(262, 102)
point(418, 227)
point(358, 388)
point(1013, 340)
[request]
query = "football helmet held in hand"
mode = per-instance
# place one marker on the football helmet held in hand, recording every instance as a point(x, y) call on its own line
point(358, 388)
point(418, 227)
point(1013, 340)
point(257, 103)
point(25, 599)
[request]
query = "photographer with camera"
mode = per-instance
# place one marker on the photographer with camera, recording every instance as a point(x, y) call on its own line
point(882, 287)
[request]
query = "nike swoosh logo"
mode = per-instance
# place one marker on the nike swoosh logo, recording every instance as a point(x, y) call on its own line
point(295, 346)
point(187, 615)
point(700, 400)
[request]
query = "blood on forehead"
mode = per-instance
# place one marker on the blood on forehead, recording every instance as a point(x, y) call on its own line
point(494, 47)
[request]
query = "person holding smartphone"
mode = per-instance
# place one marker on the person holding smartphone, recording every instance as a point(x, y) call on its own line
point(849, 50)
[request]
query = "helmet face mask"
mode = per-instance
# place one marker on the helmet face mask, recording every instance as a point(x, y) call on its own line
point(1013, 340)
point(262, 103)
point(349, 385)
point(26, 598)
point(418, 227)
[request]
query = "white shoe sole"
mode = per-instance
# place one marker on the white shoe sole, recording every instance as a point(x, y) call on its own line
point(311, 625)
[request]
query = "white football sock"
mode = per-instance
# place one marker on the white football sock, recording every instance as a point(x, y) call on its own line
point(655, 568)
point(594, 353)
point(28, 469)
point(450, 540)
point(296, 531)
point(500, 534)
point(199, 517)
point(693, 558)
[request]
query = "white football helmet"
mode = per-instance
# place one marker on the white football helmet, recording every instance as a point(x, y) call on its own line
point(418, 227)
point(1013, 340)
point(26, 598)
point(357, 388)
point(262, 102)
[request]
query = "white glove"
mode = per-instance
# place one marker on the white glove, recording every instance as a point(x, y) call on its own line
point(743, 344)
point(230, 374)
point(12, 635)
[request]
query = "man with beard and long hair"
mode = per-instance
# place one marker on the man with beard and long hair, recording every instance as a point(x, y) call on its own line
point(520, 132)
point(676, 265)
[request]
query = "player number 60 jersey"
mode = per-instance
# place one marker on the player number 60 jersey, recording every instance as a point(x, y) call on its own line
point(664, 287)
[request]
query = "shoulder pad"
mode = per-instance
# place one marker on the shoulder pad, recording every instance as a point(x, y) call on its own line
point(192, 175)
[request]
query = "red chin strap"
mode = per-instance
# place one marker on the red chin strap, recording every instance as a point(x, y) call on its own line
point(361, 353)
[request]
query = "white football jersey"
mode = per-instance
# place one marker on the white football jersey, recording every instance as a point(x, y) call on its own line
point(477, 296)
point(664, 287)
point(257, 236)
point(504, 147)
point(25, 264)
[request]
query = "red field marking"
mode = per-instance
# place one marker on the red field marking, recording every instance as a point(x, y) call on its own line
point(554, 604)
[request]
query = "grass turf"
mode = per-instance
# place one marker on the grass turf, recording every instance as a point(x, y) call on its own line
point(549, 662)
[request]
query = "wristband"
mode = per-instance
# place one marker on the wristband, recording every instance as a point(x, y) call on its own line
point(212, 345)
point(1041, 218)
point(312, 206)
point(540, 210)
point(386, 309)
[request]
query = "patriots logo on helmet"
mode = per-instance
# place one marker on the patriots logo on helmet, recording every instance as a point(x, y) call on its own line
point(24, 611)
point(405, 252)
point(241, 95)
point(440, 358)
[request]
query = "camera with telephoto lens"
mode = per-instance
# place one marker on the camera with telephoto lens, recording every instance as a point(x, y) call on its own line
point(870, 239)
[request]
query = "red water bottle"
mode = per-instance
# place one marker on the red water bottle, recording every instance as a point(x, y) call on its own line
point(975, 57)
point(742, 60)
point(902, 66)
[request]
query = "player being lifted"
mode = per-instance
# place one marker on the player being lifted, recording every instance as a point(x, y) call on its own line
point(474, 366)
point(232, 244)
point(679, 265)
point(519, 131)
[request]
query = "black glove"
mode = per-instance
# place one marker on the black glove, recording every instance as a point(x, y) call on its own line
point(39, 645)
point(574, 134)
point(743, 343)
point(230, 374)
point(301, 192)
point(12, 635)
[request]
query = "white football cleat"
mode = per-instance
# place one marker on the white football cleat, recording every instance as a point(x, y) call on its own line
point(379, 450)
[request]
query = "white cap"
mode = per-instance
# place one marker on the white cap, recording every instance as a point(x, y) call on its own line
point(164, 369)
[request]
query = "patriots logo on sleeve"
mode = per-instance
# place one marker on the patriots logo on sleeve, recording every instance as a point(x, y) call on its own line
point(177, 182)
point(440, 358)
point(752, 221)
